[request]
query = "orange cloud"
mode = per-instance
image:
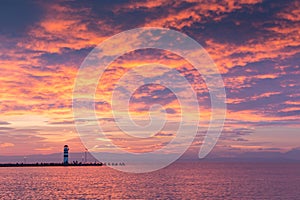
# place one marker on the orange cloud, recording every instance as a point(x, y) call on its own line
point(32, 85)
point(6, 144)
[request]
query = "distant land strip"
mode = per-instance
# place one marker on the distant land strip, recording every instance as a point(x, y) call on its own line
point(58, 164)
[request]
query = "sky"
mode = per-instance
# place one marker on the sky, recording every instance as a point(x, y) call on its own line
point(255, 45)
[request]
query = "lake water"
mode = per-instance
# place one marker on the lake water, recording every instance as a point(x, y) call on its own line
point(178, 181)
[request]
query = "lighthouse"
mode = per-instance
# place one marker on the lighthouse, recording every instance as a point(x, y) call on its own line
point(66, 155)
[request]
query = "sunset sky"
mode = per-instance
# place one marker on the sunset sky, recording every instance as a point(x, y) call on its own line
point(255, 44)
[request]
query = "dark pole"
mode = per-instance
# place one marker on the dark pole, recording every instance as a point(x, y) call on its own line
point(85, 156)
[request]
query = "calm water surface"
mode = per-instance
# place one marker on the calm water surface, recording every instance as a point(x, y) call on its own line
point(178, 181)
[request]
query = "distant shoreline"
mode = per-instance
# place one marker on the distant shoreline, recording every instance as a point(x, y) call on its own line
point(59, 164)
point(49, 164)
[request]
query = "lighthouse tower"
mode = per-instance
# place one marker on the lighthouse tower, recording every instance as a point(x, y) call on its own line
point(66, 155)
